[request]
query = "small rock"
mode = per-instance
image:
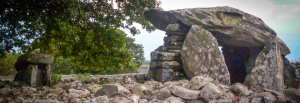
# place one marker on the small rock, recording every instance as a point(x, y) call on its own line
point(99, 99)
point(238, 88)
point(128, 80)
point(78, 93)
point(28, 90)
point(220, 101)
point(155, 101)
point(73, 85)
point(135, 98)
point(154, 84)
point(280, 96)
point(173, 99)
point(143, 101)
point(76, 100)
point(267, 97)
point(244, 100)
point(93, 88)
point(198, 82)
point(141, 90)
point(51, 96)
point(184, 93)
point(292, 95)
point(56, 91)
point(112, 89)
point(210, 92)
point(256, 100)
point(195, 101)
point(120, 100)
point(161, 94)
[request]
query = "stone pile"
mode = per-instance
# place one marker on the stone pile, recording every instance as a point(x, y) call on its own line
point(165, 62)
point(200, 89)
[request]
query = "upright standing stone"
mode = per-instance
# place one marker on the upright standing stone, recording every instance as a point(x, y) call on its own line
point(201, 56)
point(268, 70)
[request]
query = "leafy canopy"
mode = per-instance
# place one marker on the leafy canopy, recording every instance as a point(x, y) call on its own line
point(22, 21)
point(82, 30)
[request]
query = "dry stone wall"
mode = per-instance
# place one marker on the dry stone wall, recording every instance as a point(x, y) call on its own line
point(165, 62)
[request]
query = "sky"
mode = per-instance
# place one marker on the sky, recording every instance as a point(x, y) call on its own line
point(283, 16)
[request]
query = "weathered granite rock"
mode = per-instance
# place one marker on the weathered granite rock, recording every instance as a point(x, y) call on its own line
point(40, 101)
point(93, 88)
point(176, 27)
point(238, 88)
point(163, 56)
point(75, 85)
point(268, 70)
point(290, 74)
point(165, 64)
point(181, 83)
point(135, 98)
point(112, 89)
point(256, 100)
point(173, 99)
point(292, 95)
point(267, 97)
point(195, 101)
point(163, 75)
point(280, 96)
point(161, 94)
point(33, 59)
point(210, 92)
point(201, 56)
point(142, 90)
point(154, 84)
point(51, 96)
point(229, 25)
point(244, 100)
point(198, 82)
point(184, 93)
point(99, 99)
point(221, 101)
point(120, 100)
point(174, 38)
point(284, 49)
point(78, 93)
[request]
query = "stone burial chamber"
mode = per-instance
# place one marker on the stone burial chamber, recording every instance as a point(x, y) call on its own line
point(34, 69)
point(251, 52)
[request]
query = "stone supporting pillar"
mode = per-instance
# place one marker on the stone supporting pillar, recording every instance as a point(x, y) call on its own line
point(268, 70)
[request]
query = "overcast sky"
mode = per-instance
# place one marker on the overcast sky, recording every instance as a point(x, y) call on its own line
point(283, 16)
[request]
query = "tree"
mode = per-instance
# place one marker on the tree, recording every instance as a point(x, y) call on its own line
point(83, 30)
point(136, 50)
point(7, 64)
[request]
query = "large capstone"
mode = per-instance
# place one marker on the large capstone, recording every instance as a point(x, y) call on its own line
point(229, 25)
point(201, 56)
point(268, 70)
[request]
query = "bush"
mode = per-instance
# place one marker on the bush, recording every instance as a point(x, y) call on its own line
point(7, 64)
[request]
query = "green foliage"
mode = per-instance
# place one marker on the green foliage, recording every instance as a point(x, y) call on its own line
point(82, 31)
point(136, 50)
point(7, 64)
